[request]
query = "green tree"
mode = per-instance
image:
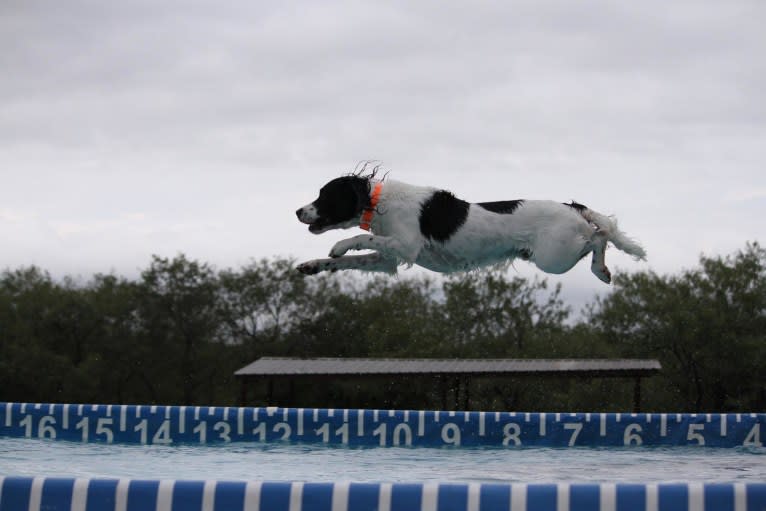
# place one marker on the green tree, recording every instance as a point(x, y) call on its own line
point(178, 307)
point(707, 326)
point(264, 301)
point(117, 362)
point(32, 367)
point(486, 314)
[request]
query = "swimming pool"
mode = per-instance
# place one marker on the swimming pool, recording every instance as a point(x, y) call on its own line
point(139, 457)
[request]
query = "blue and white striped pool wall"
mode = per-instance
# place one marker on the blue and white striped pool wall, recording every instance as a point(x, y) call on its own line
point(198, 425)
point(145, 424)
point(58, 494)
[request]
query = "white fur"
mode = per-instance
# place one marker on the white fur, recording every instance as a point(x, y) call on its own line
point(549, 234)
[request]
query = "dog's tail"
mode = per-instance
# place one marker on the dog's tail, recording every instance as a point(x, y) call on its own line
point(608, 225)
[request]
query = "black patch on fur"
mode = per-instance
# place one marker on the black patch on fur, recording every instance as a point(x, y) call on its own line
point(342, 199)
point(442, 215)
point(505, 207)
point(576, 206)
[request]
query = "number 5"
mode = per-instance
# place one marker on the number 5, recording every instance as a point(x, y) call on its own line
point(693, 434)
point(102, 429)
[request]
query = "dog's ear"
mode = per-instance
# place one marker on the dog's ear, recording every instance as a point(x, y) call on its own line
point(361, 187)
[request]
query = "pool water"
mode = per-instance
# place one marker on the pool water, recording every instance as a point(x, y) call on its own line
point(322, 463)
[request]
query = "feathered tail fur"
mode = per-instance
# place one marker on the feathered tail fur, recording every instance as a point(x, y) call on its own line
point(608, 225)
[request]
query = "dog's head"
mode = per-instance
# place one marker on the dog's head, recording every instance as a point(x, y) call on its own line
point(340, 204)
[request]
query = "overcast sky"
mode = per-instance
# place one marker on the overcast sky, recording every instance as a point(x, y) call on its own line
point(134, 128)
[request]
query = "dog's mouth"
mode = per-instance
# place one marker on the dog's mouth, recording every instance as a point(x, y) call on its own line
point(318, 227)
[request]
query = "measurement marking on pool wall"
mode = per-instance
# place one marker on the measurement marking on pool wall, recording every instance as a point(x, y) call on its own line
point(182, 419)
point(172, 425)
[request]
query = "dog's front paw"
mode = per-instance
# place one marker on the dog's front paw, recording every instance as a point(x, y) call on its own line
point(309, 268)
point(340, 249)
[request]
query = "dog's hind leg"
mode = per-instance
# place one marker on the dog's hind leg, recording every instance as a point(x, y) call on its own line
point(375, 262)
point(558, 251)
point(598, 264)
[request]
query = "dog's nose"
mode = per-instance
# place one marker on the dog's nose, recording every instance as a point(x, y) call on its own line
point(298, 213)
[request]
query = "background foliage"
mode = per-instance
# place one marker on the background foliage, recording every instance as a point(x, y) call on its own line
point(177, 334)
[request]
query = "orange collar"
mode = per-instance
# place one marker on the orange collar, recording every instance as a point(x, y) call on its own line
point(370, 212)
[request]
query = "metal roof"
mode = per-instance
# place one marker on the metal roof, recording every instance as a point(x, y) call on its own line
point(276, 366)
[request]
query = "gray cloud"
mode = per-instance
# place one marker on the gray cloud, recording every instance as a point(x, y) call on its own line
point(142, 127)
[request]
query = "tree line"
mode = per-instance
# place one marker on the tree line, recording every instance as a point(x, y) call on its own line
point(177, 333)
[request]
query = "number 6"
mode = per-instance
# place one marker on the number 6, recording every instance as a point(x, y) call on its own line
point(631, 436)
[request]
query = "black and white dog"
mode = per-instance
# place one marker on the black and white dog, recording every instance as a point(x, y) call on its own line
point(434, 229)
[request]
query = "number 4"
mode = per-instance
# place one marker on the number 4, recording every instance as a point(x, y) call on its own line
point(753, 438)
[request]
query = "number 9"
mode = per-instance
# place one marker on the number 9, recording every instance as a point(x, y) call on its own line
point(451, 434)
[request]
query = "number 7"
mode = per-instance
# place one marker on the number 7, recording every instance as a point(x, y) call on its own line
point(575, 427)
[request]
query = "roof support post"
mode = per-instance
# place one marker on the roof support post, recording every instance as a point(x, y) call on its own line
point(456, 405)
point(467, 394)
point(442, 380)
point(243, 391)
